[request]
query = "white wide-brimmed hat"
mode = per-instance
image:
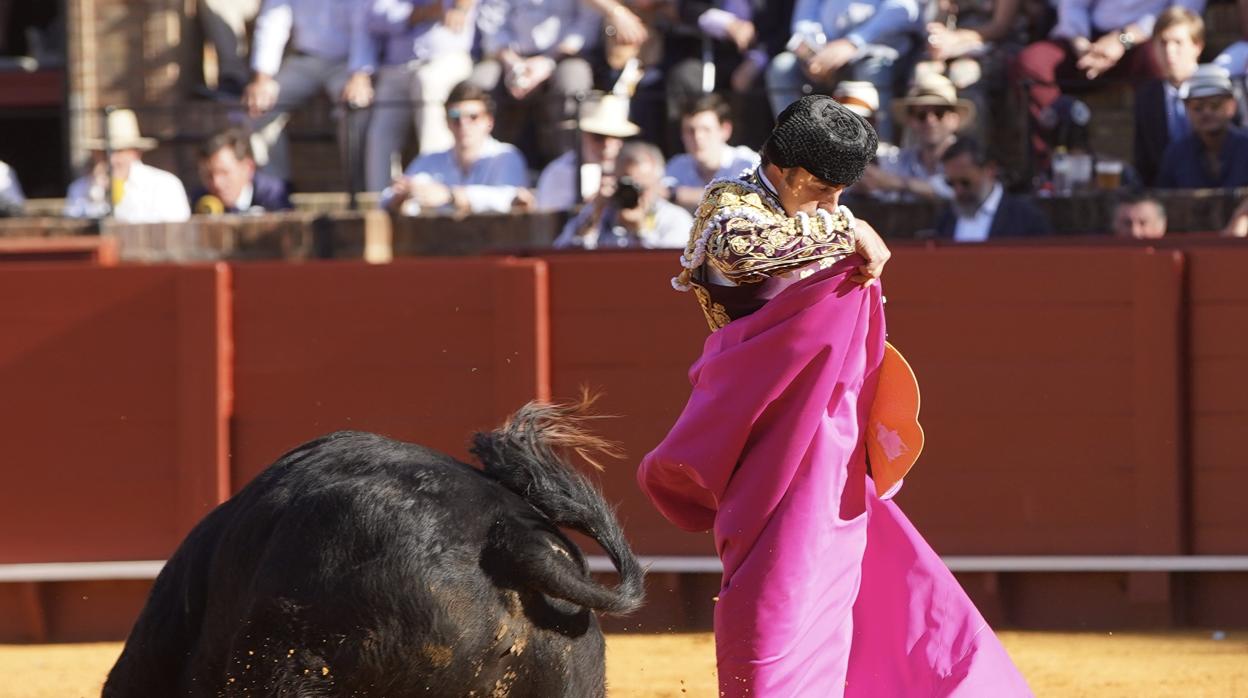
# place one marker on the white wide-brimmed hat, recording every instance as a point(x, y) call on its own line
point(607, 115)
point(933, 90)
point(123, 134)
point(858, 96)
point(1209, 80)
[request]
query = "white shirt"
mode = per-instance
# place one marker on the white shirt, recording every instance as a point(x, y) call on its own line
point(151, 196)
point(975, 228)
point(333, 29)
point(682, 170)
point(490, 184)
point(556, 186)
point(11, 196)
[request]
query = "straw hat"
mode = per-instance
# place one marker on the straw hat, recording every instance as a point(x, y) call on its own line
point(933, 90)
point(1209, 80)
point(607, 115)
point(858, 96)
point(894, 437)
point(123, 134)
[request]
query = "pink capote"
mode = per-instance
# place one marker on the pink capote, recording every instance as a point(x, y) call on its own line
point(827, 589)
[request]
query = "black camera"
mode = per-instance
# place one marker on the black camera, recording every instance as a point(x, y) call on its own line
point(627, 194)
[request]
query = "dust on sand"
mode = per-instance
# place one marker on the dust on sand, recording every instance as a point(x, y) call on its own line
point(1066, 665)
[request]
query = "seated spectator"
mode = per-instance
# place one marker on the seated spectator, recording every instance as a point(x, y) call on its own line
point(477, 175)
point(330, 54)
point(225, 27)
point(629, 210)
point(133, 191)
point(862, 99)
point(1215, 153)
point(1160, 119)
point(1141, 217)
point(971, 43)
point(839, 39)
point(604, 125)
point(229, 180)
point(634, 67)
point(425, 52)
point(1094, 41)
point(705, 129)
point(743, 37)
point(981, 209)
point(933, 114)
point(12, 200)
point(532, 61)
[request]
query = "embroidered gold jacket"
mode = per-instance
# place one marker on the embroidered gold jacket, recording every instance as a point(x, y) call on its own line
point(742, 235)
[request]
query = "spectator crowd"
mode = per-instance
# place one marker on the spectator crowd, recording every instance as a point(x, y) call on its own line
point(619, 112)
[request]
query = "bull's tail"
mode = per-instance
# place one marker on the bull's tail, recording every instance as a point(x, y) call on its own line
point(523, 456)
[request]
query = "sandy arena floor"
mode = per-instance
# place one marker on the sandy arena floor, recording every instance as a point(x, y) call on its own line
point(1100, 665)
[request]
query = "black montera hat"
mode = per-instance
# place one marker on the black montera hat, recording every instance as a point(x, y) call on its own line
point(821, 135)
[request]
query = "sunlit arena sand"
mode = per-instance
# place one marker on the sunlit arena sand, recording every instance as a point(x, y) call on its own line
point(1192, 664)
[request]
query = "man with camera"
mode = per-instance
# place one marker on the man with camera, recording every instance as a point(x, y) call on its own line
point(629, 210)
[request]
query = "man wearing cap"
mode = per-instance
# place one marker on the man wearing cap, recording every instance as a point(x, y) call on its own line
point(604, 125)
point(1215, 153)
point(934, 113)
point(800, 427)
point(139, 193)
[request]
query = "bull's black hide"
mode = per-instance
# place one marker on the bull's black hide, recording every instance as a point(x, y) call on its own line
point(360, 566)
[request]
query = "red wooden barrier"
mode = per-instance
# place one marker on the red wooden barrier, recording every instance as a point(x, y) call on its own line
point(425, 351)
point(112, 412)
point(618, 327)
point(1050, 396)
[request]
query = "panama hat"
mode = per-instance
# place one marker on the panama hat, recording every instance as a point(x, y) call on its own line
point(607, 115)
point(1209, 80)
point(933, 90)
point(123, 134)
point(894, 436)
point(858, 96)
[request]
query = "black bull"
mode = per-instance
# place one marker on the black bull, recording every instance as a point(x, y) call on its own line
point(360, 566)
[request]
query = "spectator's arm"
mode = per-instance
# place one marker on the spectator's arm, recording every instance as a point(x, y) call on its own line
point(273, 27)
point(891, 17)
point(364, 47)
point(1238, 225)
point(1004, 13)
point(570, 237)
point(1074, 20)
point(582, 29)
point(497, 197)
point(493, 25)
point(12, 200)
point(806, 17)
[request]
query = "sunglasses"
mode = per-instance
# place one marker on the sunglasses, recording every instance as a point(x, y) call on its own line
point(455, 115)
point(1206, 103)
point(921, 113)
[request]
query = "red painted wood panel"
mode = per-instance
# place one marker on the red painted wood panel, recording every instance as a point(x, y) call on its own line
point(425, 351)
point(112, 411)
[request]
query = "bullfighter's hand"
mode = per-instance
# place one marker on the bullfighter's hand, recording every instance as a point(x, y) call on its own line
point(870, 245)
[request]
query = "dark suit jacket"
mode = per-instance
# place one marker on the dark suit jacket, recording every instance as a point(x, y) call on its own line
point(268, 193)
point(1015, 217)
point(1152, 135)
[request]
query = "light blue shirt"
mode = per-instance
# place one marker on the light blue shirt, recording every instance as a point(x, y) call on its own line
point(332, 29)
point(880, 22)
point(682, 170)
point(1087, 18)
point(398, 42)
point(490, 184)
point(533, 27)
